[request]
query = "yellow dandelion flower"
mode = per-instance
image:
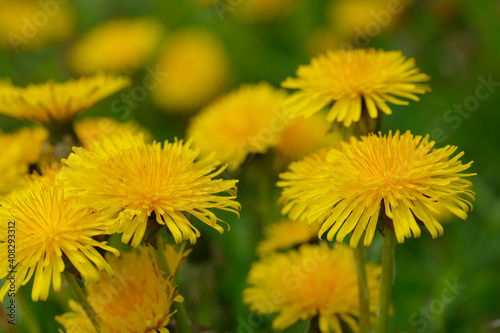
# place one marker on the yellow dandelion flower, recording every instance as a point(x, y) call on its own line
point(354, 80)
point(89, 129)
point(285, 235)
point(247, 120)
point(314, 280)
point(302, 136)
point(198, 70)
point(133, 181)
point(136, 40)
point(51, 234)
point(31, 25)
point(30, 140)
point(138, 299)
point(399, 176)
point(57, 103)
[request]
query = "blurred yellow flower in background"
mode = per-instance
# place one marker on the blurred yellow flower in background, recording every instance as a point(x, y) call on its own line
point(354, 80)
point(135, 182)
point(402, 175)
point(138, 299)
point(314, 280)
point(302, 136)
point(57, 103)
point(12, 170)
point(53, 233)
point(90, 129)
point(247, 120)
point(30, 141)
point(364, 18)
point(286, 234)
point(118, 45)
point(198, 70)
point(31, 25)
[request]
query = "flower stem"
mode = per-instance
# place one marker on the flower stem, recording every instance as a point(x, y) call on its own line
point(82, 299)
point(387, 281)
point(364, 305)
point(183, 325)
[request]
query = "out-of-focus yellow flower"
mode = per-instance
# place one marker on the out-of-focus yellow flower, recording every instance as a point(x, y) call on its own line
point(117, 45)
point(352, 79)
point(12, 171)
point(198, 70)
point(138, 183)
point(52, 232)
point(363, 19)
point(57, 103)
point(311, 281)
point(262, 10)
point(91, 129)
point(402, 174)
point(30, 25)
point(286, 234)
point(248, 120)
point(302, 136)
point(30, 141)
point(138, 299)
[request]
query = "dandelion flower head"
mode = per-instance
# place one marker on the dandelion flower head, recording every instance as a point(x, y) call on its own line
point(135, 182)
point(118, 45)
point(53, 233)
point(57, 103)
point(354, 80)
point(247, 120)
point(138, 299)
point(314, 280)
point(399, 176)
point(198, 70)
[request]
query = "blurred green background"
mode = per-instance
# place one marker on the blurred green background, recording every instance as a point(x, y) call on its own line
point(456, 42)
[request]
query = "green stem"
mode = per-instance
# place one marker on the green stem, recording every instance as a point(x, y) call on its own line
point(181, 317)
point(82, 299)
point(364, 305)
point(387, 281)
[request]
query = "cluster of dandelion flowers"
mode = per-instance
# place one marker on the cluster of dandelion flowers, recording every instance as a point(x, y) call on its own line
point(138, 299)
point(57, 103)
point(247, 120)
point(314, 280)
point(286, 234)
point(135, 182)
point(136, 40)
point(400, 176)
point(53, 233)
point(353, 80)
